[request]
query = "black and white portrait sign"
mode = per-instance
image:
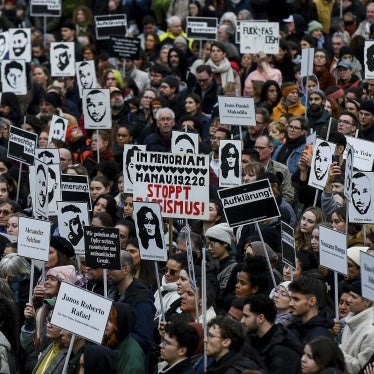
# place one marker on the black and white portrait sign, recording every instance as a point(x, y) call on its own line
point(369, 59)
point(184, 142)
point(230, 163)
point(54, 192)
point(72, 217)
point(361, 208)
point(62, 56)
point(20, 44)
point(129, 165)
point(321, 161)
point(96, 109)
point(57, 130)
point(75, 188)
point(150, 231)
point(348, 172)
point(13, 76)
point(86, 75)
point(47, 155)
point(4, 44)
point(21, 145)
point(41, 189)
point(288, 245)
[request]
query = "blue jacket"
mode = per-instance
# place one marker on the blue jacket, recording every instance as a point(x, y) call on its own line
point(293, 158)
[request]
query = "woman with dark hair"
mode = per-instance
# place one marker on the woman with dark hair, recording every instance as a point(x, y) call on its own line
point(102, 219)
point(270, 95)
point(124, 135)
point(126, 232)
point(151, 47)
point(192, 105)
point(230, 164)
point(305, 260)
point(10, 108)
point(149, 228)
point(215, 217)
point(42, 76)
point(99, 185)
point(283, 61)
point(321, 70)
point(322, 353)
point(105, 203)
point(84, 23)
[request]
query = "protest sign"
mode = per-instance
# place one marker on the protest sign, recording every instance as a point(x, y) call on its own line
point(333, 249)
point(72, 217)
point(54, 192)
point(288, 245)
point(75, 188)
point(259, 36)
point(321, 161)
point(41, 189)
point(230, 173)
point(364, 153)
point(149, 230)
point(125, 47)
point(307, 61)
point(13, 76)
point(184, 142)
point(62, 56)
point(109, 25)
point(129, 165)
point(96, 109)
point(86, 75)
point(361, 210)
point(249, 203)
point(369, 59)
point(81, 312)
point(367, 275)
point(57, 129)
point(33, 238)
point(238, 111)
point(203, 28)
point(348, 172)
point(4, 44)
point(45, 8)
point(102, 247)
point(47, 155)
point(21, 145)
point(20, 44)
point(179, 182)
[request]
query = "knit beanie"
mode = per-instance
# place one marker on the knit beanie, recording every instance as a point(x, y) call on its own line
point(222, 232)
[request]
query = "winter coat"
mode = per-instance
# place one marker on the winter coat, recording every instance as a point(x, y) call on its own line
point(168, 294)
point(296, 109)
point(181, 367)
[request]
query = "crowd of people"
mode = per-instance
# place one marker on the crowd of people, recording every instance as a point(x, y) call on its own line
point(243, 310)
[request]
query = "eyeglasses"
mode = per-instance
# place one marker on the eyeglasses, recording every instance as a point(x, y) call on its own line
point(256, 148)
point(344, 121)
point(166, 342)
point(282, 292)
point(150, 221)
point(4, 212)
point(319, 56)
point(172, 272)
point(211, 336)
point(293, 128)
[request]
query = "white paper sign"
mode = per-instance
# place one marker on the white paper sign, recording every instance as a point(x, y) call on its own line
point(58, 128)
point(307, 60)
point(361, 209)
point(184, 142)
point(33, 238)
point(54, 191)
point(96, 109)
point(47, 155)
point(239, 111)
point(4, 44)
point(149, 230)
point(41, 188)
point(348, 172)
point(129, 165)
point(369, 59)
point(367, 275)
point(321, 161)
point(62, 55)
point(259, 36)
point(364, 153)
point(81, 312)
point(72, 217)
point(230, 163)
point(86, 75)
point(13, 76)
point(20, 44)
point(333, 249)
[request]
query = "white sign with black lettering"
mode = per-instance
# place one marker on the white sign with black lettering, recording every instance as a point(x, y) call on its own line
point(333, 249)
point(288, 245)
point(238, 111)
point(367, 275)
point(259, 36)
point(33, 238)
point(364, 153)
point(81, 312)
point(203, 28)
point(75, 188)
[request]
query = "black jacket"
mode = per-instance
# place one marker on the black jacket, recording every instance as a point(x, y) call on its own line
point(182, 367)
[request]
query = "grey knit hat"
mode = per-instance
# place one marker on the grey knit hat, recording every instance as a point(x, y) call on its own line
point(222, 232)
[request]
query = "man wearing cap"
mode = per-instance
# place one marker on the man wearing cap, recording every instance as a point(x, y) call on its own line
point(318, 116)
point(347, 78)
point(290, 102)
point(358, 334)
point(365, 117)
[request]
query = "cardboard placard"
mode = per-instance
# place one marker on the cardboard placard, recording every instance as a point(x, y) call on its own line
point(33, 238)
point(367, 275)
point(41, 189)
point(45, 8)
point(129, 165)
point(20, 44)
point(96, 109)
point(184, 142)
point(288, 245)
point(54, 192)
point(348, 172)
point(21, 145)
point(72, 218)
point(202, 28)
point(230, 173)
point(333, 249)
point(369, 59)
point(75, 188)
point(62, 55)
point(4, 44)
point(238, 111)
point(179, 182)
point(85, 75)
point(125, 47)
point(109, 25)
point(149, 230)
point(307, 61)
point(47, 155)
point(13, 76)
point(249, 203)
point(364, 153)
point(102, 247)
point(81, 312)
point(58, 128)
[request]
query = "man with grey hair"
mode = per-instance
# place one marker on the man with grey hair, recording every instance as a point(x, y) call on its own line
point(174, 30)
point(339, 40)
point(125, 288)
point(160, 141)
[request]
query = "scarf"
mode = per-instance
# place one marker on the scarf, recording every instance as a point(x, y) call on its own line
point(224, 69)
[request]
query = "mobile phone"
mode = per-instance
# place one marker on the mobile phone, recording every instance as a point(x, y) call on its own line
point(309, 149)
point(335, 158)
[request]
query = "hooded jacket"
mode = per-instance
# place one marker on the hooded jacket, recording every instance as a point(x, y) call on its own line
point(296, 109)
point(100, 359)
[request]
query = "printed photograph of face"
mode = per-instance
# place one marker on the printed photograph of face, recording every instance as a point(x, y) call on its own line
point(322, 160)
point(74, 223)
point(86, 75)
point(230, 160)
point(96, 105)
point(41, 182)
point(361, 192)
point(62, 56)
point(149, 227)
point(184, 144)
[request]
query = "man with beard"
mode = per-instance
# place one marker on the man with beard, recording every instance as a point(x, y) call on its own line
point(96, 107)
point(20, 42)
point(318, 117)
point(254, 132)
point(73, 221)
